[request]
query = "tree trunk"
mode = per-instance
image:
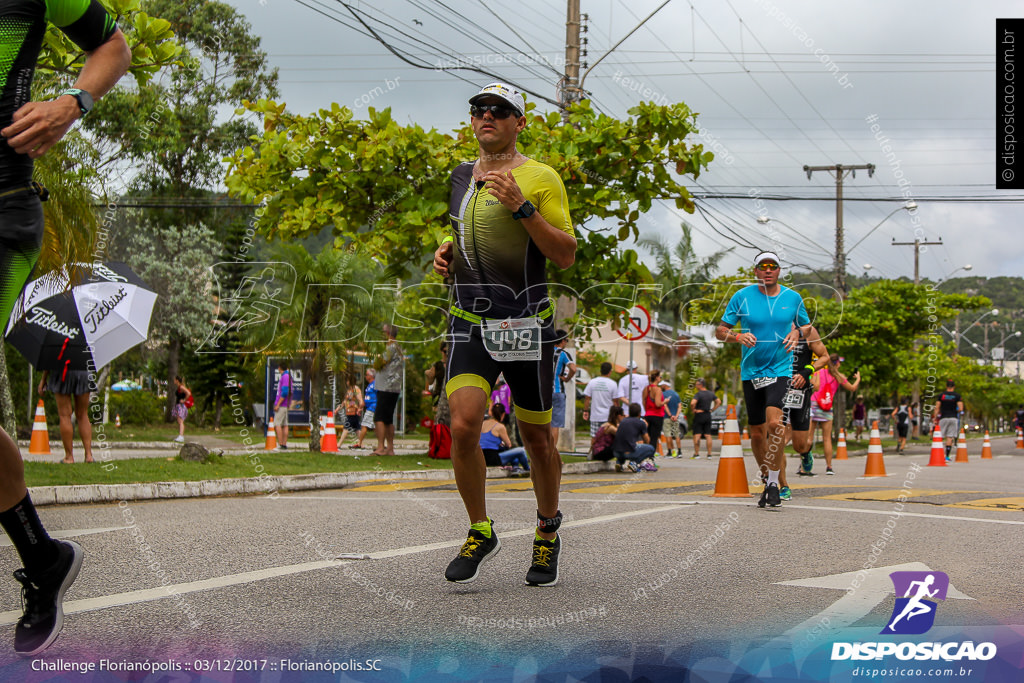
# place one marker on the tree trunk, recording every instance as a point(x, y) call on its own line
point(173, 362)
point(315, 383)
point(218, 411)
point(7, 416)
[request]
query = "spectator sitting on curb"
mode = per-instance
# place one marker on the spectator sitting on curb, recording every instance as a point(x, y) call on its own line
point(632, 444)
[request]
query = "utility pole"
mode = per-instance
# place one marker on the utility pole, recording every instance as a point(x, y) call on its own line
point(840, 171)
point(569, 87)
point(916, 244)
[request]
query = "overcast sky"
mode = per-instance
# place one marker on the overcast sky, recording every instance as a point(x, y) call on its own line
point(760, 74)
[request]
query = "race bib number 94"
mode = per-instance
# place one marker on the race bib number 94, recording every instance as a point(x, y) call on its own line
point(512, 339)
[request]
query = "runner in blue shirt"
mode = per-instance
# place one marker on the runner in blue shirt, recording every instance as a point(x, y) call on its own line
point(767, 313)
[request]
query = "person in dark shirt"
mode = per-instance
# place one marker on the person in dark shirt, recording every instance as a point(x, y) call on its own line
point(702, 404)
point(797, 403)
point(631, 445)
point(27, 130)
point(1018, 417)
point(949, 406)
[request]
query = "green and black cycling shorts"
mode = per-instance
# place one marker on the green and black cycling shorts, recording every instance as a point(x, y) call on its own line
point(21, 236)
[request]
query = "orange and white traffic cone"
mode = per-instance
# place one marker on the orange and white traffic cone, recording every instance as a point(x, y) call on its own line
point(732, 473)
point(875, 466)
point(117, 420)
point(938, 456)
point(329, 442)
point(746, 434)
point(271, 436)
point(986, 448)
point(1020, 438)
point(892, 433)
point(40, 443)
point(961, 447)
point(841, 446)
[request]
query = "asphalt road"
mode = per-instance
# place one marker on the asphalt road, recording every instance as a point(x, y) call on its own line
point(654, 571)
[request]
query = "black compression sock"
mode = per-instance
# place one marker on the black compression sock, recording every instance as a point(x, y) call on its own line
point(37, 550)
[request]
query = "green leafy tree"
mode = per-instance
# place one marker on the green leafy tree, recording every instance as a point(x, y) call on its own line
point(174, 260)
point(383, 186)
point(332, 311)
point(172, 132)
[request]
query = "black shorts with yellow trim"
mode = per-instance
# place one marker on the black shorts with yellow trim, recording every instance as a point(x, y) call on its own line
point(531, 382)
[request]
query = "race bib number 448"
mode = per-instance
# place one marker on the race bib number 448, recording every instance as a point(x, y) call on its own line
point(512, 339)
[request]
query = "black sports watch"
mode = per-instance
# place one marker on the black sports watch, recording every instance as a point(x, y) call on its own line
point(524, 211)
point(85, 101)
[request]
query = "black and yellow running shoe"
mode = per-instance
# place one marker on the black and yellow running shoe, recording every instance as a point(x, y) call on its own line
point(544, 570)
point(475, 551)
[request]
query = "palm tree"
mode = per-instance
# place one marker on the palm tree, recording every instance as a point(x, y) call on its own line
point(329, 311)
point(681, 272)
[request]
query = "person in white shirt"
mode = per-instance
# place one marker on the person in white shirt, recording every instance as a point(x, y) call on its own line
point(631, 388)
point(599, 398)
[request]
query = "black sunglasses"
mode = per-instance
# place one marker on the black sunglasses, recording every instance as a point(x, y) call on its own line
point(498, 111)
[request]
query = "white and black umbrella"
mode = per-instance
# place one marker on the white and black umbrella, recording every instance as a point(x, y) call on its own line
point(60, 327)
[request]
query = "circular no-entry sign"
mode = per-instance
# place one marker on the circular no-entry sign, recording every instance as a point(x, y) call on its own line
point(634, 323)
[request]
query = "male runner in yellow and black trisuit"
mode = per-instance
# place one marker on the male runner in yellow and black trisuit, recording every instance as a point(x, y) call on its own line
point(29, 129)
point(509, 216)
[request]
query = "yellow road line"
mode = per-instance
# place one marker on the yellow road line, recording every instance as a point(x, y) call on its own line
point(627, 487)
point(404, 485)
point(887, 494)
point(1004, 504)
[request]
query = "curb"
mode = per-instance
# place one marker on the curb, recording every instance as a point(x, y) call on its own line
point(268, 485)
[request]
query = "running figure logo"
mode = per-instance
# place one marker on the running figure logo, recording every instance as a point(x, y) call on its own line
point(914, 613)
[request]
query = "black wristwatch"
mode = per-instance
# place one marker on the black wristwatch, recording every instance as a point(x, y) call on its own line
point(525, 211)
point(85, 101)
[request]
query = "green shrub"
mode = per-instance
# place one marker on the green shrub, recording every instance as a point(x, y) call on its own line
point(136, 407)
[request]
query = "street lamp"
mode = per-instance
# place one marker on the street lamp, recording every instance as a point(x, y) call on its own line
point(909, 206)
point(948, 275)
point(959, 334)
point(765, 220)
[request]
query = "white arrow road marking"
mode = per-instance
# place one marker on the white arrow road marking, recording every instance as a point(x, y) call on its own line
point(874, 588)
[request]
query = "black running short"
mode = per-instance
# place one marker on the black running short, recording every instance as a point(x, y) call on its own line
point(531, 382)
point(902, 430)
point(761, 393)
point(796, 408)
point(21, 234)
point(702, 424)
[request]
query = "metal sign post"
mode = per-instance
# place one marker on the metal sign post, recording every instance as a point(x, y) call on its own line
point(634, 324)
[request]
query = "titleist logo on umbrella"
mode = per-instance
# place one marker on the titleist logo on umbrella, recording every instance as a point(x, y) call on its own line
point(103, 309)
point(100, 270)
point(48, 320)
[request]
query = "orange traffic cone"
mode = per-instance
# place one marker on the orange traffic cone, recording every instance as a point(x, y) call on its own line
point(841, 446)
point(961, 447)
point(1020, 438)
point(732, 474)
point(117, 420)
point(329, 442)
point(986, 448)
point(746, 434)
point(875, 466)
point(938, 458)
point(271, 436)
point(40, 443)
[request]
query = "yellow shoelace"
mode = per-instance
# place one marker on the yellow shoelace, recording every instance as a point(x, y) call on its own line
point(541, 555)
point(469, 546)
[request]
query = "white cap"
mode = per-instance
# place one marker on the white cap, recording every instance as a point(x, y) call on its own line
point(504, 92)
point(664, 383)
point(631, 365)
point(766, 256)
